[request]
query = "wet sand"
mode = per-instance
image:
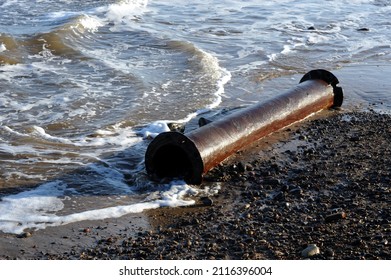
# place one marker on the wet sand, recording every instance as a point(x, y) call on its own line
point(323, 182)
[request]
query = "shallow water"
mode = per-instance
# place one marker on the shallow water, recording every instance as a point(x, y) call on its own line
point(85, 84)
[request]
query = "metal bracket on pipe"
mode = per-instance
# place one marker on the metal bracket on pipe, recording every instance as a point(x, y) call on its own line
point(190, 155)
point(329, 78)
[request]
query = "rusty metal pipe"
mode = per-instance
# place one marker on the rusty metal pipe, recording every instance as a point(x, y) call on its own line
point(190, 155)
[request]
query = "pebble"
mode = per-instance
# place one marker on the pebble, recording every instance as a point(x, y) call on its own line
point(25, 235)
point(296, 191)
point(86, 230)
point(303, 138)
point(176, 127)
point(329, 252)
point(310, 251)
point(335, 217)
point(207, 201)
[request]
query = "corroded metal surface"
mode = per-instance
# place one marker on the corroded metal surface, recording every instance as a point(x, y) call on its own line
point(172, 154)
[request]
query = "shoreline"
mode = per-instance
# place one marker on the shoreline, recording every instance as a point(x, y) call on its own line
point(323, 181)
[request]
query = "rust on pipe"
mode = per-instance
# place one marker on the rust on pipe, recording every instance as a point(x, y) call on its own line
point(191, 155)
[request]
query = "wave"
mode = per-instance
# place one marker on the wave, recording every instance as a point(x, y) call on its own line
point(59, 42)
point(65, 39)
point(208, 65)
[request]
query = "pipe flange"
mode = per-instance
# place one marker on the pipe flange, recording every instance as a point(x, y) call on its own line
point(329, 78)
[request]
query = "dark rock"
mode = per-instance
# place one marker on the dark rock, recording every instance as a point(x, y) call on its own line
point(296, 191)
point(202, 121)
point(178, 127)
point(354, 138)
point(207, 201)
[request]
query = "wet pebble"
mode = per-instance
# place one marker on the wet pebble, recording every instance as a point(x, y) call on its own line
point(310, 251)
point(207, 201)
point(25, 235)
point(329, 253)
point(296, 191)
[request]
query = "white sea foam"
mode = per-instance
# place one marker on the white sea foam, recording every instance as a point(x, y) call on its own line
point(287, 49)
point(90, 23)
point(36, 209)
point(31, 208)
point(155, 128)
point(125, 10)
point(121, 13)
point(272, 57)
point(316, 39)
point(15, 150)
point(41, 133)
point(2, 47)
point(17, 174)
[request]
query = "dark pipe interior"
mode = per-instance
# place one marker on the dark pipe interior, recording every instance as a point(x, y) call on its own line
point(172, 161)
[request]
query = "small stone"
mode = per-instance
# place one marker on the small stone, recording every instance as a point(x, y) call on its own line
point(240, 167)
point(272, 181)
point(355, 138)
point(206, 201)
point(329, 252)
point(335, 217)
point(202, 121)
point(279, 196)
point(275, 243)
point(178, 127)
point(303, 138)
point(86, 230)
point(310, 251)
point(25, 235)
point(249, 167)
point(296, 191)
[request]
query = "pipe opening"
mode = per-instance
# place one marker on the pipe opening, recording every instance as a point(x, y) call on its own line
point(171, 161)
point(173, 155)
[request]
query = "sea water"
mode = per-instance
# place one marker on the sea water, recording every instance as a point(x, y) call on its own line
point(86, 85)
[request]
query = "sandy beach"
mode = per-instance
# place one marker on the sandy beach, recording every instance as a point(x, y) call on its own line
point(318, 189)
